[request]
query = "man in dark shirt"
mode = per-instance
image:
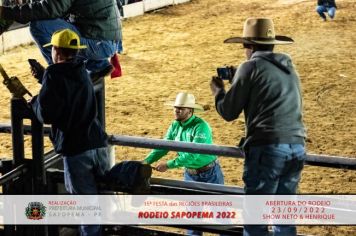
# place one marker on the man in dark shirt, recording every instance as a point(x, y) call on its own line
point(328, 6)
point(96, 22)
point(67, 102)
point(266, 87)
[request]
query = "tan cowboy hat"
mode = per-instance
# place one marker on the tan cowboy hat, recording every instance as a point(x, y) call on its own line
point(259, 31)
point(185, 100)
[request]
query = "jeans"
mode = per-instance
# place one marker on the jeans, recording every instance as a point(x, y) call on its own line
point(330, 10)
point(213, 176)
point(95, 55)
point(80, 174)
point(272, 169)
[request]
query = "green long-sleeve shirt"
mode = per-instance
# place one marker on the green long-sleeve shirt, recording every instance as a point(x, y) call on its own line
point(194, 130)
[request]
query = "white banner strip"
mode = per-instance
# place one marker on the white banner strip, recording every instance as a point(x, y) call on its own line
point(178, 209)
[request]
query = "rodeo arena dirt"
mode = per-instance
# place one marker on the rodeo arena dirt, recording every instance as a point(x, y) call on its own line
point(178, 48)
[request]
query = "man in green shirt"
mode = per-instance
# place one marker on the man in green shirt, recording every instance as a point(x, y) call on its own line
point(189, 128)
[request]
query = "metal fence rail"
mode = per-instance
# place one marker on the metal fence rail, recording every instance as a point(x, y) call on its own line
point(312, 159)
point(132, 141)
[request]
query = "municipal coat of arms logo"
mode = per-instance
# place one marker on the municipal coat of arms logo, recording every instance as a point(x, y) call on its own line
point(35, 211)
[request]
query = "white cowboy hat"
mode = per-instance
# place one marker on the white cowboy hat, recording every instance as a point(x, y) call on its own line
point(185, 100)
point(259, 31)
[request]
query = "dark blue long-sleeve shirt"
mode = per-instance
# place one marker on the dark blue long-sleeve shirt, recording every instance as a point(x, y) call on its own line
point(327, 3)
point(67, 102)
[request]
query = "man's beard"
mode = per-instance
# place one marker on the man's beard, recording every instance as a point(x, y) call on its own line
point(179, 118)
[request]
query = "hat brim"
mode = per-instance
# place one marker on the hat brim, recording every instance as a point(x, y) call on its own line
point(196, 107)
point(70, 47)
point(279, 39)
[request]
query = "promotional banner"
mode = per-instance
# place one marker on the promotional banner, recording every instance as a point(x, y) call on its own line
point(178, 209)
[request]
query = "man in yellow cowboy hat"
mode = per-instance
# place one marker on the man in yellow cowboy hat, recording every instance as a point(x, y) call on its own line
point(267, 88)
point(67, 102)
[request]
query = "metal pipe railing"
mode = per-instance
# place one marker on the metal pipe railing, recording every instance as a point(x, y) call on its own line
point(49, 160)
point(132, 141)
point(14, 173)
point(311, 159)
point(197, 186)
point(6, 129)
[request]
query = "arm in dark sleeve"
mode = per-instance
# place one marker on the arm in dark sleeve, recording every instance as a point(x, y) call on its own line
point(231, 103)
point(333, 3)
point(48, 105)
point(36, 108)
point(37, 10)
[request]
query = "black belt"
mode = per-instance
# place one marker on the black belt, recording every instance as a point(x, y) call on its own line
point(202, 169)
